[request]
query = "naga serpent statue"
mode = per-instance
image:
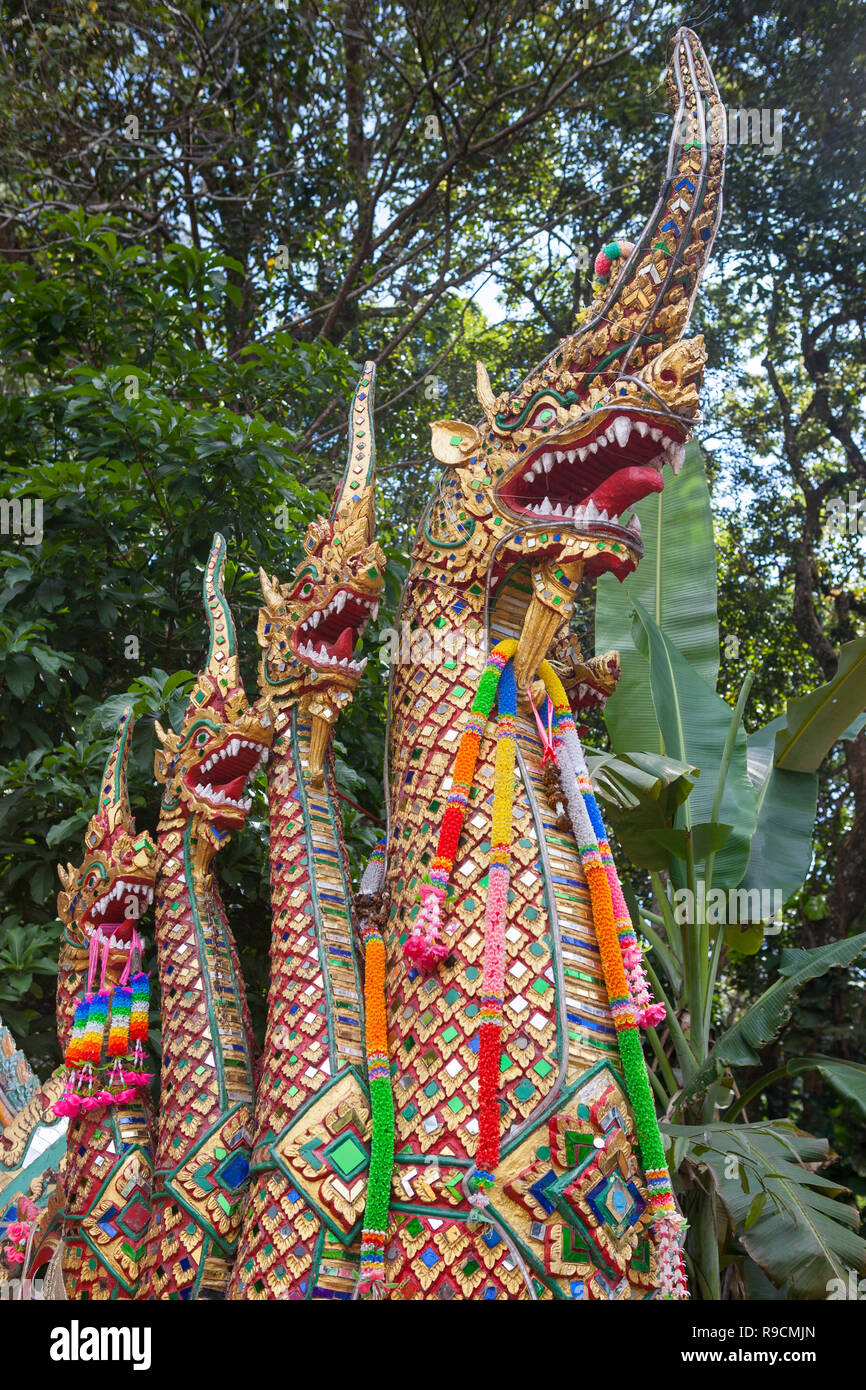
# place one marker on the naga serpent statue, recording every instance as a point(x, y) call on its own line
point(110, 1140)
point(202, 1156)
point(452, 1102)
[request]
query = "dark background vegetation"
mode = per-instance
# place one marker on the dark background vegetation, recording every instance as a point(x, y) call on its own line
point(210, 214)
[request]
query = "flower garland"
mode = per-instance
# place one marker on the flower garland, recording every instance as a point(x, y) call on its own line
point(493, 982)
point(666, 1217)
point(573, 763)
point(423, 948)
point(111, 1023)
point(17, 1233)
point(372, 904)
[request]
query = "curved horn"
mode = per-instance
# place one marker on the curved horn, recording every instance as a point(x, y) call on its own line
point(113, 794)
point(484, 391)
point(355, 497)
point(270, 589)
point(222, 661)
point(674, 246)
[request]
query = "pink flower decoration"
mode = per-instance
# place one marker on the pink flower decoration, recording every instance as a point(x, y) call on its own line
point(15, 1257)
point(653, 1015)
point(602, 264)
point(18, 1230)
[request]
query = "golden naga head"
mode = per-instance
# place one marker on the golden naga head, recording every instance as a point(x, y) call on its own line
point(587, 683)
point(112, 889)
point(555, 466)
point(223, 741)
point(310, 626)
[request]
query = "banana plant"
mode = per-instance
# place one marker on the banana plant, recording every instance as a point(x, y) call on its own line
point(723, 845)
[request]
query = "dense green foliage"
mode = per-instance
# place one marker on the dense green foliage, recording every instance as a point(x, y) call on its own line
point(211, 214)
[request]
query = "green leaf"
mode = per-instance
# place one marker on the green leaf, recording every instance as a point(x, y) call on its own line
point(705, 839)
point(781, 849)
point(676, 583)
point(694, 721)
point(848, 1079)
point(740, 1045)
point(800, 1235)
point(816, 721)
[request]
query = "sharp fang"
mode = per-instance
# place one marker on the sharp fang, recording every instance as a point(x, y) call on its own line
point(657, 434)
point(642, 428)
point(622, 430)
point(547, 462)
point(676, 456)
point(591, 513)
point(634, 523)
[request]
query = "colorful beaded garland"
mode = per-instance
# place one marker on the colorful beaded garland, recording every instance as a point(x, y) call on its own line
point(101, 1069)
point(625, 1015)
point(423, 948)
point(372, 904)
point(492, 1000)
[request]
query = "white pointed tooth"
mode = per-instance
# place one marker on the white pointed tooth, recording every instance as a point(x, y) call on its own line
point(591, 511)
point(374, 611)
point(362, 663)
point(603, 516)
point(560, 455)
point(266, 753)
point(676, 456)
point(642, 428)
point(622, 430)
point(218, 798)
point(345, 661)
point(569, 512)
point(557, 511)
point(548, 462)
point(593, 447)
point(315, 619)
point(582, 453)
point(340, 600)
point(657, 434)
point(323, 653)
point(235, 747)
point(634, 524)
point(545, 508)
point(579, 513)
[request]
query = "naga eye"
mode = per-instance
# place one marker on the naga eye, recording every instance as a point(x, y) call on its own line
point(544, 418)
point(306, 589)
point(201, 739)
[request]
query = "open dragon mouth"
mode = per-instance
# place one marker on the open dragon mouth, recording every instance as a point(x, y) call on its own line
point(588, 481)
point(220, 778)
point(327, 638)
point(110, 915)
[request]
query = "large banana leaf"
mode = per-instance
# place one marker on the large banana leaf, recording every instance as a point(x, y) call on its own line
point(782, 843)
point(740, 1045)
point(785, 1215)
point(848, 1079)
point(676, 583)
point(816, 721)
point(694, 721)
point(641, 792)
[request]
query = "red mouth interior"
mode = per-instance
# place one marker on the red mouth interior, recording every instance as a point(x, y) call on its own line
point(107, 916)
point(220, 777)
point(336, 629)
point(603, 472)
